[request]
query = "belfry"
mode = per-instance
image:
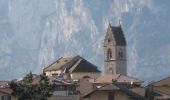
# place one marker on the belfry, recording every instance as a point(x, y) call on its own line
point(115, 59)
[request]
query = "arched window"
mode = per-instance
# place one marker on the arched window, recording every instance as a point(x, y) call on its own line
point(109, 54)
point(109, 40)
point(120, 54)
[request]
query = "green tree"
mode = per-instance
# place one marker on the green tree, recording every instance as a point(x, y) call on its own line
point(30, 89)
point(45, 89)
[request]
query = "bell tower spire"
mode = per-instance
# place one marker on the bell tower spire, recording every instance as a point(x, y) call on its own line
point(115, 51)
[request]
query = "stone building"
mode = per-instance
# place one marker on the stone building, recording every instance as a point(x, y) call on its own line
point(114, 84)
point(72, 68)
point(64, 89)
point(115, 60)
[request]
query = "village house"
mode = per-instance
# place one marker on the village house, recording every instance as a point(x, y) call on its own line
point(112, 92)
point(64, 89)
point(66, 72)
point(116, 91)
point(72, 68)
point(119, 78)
point(5, 91)
point(162, 87)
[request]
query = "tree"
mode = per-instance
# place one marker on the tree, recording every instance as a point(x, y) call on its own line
point(44, 89)
point(28, 89)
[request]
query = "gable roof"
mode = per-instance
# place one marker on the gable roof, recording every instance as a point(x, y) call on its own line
point(4, 83)
point(6, 90)
point(58, 64)
point(84, 66)
point(119, 78)
point(144, 92)
point(163, 82)
point(109, 87)
point(132, 94)
point(4, 87)
point(117, 34)
point(116, 87)
point(72, 64)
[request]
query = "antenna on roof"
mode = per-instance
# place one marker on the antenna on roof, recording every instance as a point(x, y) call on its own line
point(107, 22)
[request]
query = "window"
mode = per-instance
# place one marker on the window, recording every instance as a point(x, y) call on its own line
point(109, 54)
point(60, 88)
point(109, 40)
point(120, 54)
point(6, 98)
point(55, 74)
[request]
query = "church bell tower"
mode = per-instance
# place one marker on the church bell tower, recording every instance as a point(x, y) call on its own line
point(115, 60)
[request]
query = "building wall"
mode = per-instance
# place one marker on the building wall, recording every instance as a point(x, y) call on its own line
point(163, 89)
point(121, 96)
point(64, 98)
point(84, 86)
point(77, 75)
point(100, 95)
point(118, 66)
point(60, 93)
point(109, 63)
point(2, 94)
point(121, 64)
point(49, 73)
point(80, 75)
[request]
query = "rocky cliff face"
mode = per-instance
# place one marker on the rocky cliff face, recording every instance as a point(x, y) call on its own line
point(34, 33)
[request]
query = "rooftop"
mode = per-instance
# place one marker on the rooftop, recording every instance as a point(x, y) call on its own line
point(118, 35)
point(163, 82)
point(72, 64)
point(119, 78)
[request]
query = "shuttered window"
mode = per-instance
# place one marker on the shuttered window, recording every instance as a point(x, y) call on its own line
point(5, 97)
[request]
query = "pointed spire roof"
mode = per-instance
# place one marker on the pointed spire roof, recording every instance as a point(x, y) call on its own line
point(117, 34)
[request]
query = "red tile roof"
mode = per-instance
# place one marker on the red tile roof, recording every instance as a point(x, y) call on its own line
point(4, 87)
point(6, 90)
